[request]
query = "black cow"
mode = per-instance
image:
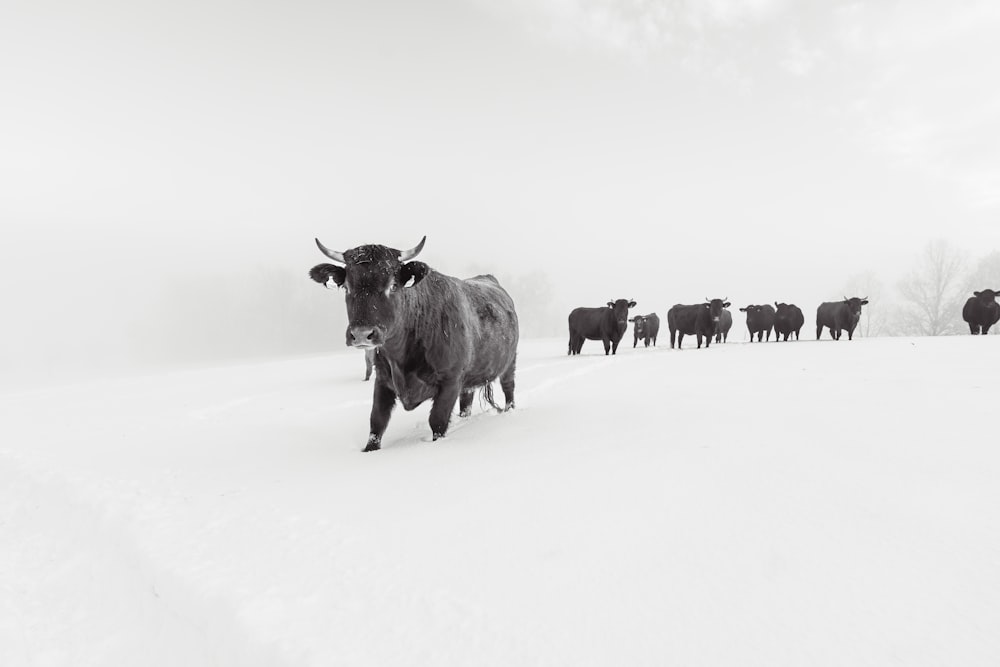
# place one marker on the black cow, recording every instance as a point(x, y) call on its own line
point(725, 324)
point(438, 337)
point(839, 316)
point(788, 319)
point(603, 324)
point(982, 311)
point(760, 320)
point(700, 319)
point(646, 327)
point(369, 362)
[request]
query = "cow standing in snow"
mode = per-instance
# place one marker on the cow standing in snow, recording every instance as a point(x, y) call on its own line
point(981, 311)
point(439, 338)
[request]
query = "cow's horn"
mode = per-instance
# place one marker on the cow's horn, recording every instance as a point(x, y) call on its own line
point(332, 254)
point(407, 255)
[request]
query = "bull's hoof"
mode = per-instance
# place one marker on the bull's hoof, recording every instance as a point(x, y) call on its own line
point(465, 413)
point(374, 444)
point(509, 407)
point(435, 436)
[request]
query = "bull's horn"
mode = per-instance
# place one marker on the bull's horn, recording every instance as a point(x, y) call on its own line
point(332, 254)
point(407, 255)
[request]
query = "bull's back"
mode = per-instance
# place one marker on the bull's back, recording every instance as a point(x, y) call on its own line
point(590, 322)
point(687, 319)
point(494, 328)
point(826, 314)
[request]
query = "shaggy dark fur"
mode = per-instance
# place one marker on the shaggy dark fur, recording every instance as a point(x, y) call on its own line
point(439, 338)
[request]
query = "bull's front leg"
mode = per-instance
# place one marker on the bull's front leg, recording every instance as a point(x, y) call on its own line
point(444, 404)
point(383, 401)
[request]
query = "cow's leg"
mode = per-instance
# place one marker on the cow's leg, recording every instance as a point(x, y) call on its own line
point(819, 331)
point(699, 337)
point(986, 329)
point(444, 404)
point(383, 401)
point(680, 338)
point(507, 385)
point(465, 402)
point(607, 345)
point(614, 345)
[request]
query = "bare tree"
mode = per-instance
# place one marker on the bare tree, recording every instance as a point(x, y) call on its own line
point(932, 292)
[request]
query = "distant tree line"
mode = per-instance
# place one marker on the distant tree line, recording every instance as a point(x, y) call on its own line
point(928, 300)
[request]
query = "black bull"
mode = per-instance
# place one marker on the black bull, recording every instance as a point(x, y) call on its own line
point(981, 311)
point(439, 337)
point(607, 325)
point(839, 316)
point(700, 320)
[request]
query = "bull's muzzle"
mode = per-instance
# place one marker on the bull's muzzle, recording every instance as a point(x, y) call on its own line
point(362, 336)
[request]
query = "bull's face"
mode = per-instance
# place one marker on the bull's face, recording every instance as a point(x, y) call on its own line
point(987, 296)
point(715, 307)
point(640, 324)
point(620, 309)
point(373, 277)
point(854, 304)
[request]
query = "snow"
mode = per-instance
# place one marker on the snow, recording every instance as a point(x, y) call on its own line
point(802, 503)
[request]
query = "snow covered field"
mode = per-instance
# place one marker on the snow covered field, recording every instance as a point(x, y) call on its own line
point(831, 503)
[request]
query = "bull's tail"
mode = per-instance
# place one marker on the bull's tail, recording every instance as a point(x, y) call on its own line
point(487, 395)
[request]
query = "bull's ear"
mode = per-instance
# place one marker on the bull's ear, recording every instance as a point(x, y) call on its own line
point(631, 304)
point(415, 271)
point(725, 305)
point(631, 319)
point(976, 293)
point(323, 273)
point(864, 302)
point(743, 310)
point(611, 304)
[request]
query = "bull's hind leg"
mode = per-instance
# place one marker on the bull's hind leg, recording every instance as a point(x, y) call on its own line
point(383, 401)
point(444, 404)
point(465, 402)
point(507, 385)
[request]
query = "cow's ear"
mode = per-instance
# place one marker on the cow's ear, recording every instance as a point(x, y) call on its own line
point(864, 302)
point(725, 305)
point(415, 271)
point(324, 273)
point(611, 304)
point(631, 319)
point(743, 310)
point(976, 293)
point(631, 304)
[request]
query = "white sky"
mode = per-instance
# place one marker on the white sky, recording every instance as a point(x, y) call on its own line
point(662, 151)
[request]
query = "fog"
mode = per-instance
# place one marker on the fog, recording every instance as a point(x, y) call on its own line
point(165, 168)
